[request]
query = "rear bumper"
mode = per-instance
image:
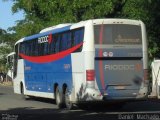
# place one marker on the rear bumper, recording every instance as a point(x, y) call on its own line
point(143, 92)
point(91, 94)
point(127, 99)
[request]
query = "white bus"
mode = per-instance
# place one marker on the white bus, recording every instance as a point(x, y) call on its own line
point(93, 60)
point(10, 59)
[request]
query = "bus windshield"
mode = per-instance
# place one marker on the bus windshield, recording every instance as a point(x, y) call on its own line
point(120, 34)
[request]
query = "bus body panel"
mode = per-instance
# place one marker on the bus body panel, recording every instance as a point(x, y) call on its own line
point(120, 58)
point(41, 77)
point(19, 78)
point(120, 78)
point(77, 75)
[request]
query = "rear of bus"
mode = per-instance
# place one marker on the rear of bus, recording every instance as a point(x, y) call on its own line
point(120, 59)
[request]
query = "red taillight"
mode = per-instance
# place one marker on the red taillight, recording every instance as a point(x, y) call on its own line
point(146, 74)
point(90, 75)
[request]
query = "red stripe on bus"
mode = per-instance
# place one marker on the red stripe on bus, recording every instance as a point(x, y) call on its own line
point(100, 61)
point(52, 57)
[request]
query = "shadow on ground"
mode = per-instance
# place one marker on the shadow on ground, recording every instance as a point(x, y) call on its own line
point(48, 114)
point(1, 93)
point(87, 112)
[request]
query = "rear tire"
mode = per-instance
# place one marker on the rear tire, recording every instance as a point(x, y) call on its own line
point(58, 98)
point(68, 103)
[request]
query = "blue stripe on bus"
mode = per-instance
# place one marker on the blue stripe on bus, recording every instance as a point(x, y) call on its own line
point(58, 30)
point(41, 77)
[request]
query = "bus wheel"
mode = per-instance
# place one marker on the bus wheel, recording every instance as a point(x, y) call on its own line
point(68, 103)
point(22, 93)
point(58, 98)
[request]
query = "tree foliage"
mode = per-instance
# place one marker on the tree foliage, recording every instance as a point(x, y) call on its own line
point(6, 46)
point(41, 13)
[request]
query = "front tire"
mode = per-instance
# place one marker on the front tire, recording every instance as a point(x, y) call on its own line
point(22, 93)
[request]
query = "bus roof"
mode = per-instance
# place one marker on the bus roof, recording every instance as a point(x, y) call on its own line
point(44, 33)
point(68, 26)
point(48, 32)
point(55, 27)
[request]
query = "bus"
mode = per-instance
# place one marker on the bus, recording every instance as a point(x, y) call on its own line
point(93, 60)
point(10, 59)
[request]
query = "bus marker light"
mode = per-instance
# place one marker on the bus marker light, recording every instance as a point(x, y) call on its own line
point(105, 54)
point(90, 75)
point(110, 54)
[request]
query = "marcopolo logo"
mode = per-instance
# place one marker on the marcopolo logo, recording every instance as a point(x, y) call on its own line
point(119, 67)
point(44, 39)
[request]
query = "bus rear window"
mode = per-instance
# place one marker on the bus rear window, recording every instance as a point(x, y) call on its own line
point(117, 34)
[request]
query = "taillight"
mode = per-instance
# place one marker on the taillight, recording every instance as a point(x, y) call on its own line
point(146, 77)
point(90, 75)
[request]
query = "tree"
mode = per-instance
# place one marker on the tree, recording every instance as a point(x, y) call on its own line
point(40, 14)
point(6, 46)
point(147, 11)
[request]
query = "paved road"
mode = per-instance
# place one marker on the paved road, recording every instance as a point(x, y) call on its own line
point(13, 106)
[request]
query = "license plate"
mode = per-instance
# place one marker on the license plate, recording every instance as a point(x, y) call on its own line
point(119, 87)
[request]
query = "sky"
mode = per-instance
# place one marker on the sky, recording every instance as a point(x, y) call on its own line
point(7, 18)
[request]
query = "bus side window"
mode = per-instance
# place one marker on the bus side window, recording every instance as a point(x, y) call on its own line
point(41, 51)
point(81, 35)
point(46, 51)
point(63, 42)
point(22, 49)
point(66, 41)
point(31, 48)
point(75, 38)
point(34, 48)
point(51, 45)
point(25, 48)
point(69, 40)
point(28, 48)
point(54, 43)
point(57, 43)
point(78, 36)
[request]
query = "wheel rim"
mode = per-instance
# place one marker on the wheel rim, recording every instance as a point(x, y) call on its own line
point(57, 97)
point(67, 100)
